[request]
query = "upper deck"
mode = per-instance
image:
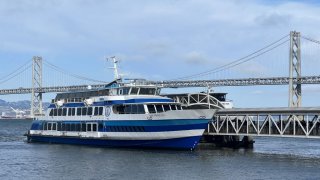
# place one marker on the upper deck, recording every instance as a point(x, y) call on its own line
point(112, 89)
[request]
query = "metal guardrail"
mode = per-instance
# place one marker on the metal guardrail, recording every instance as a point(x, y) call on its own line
point(276, 122)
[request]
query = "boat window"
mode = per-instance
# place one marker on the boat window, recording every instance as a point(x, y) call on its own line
point(118, 109)
point(54, 127)
point(126, 91)
point(59, 112)
point(151, 108)
point(106, 92)
point(134, 90)
point(84, 111)
point(45, 126)
point(55, 112)
point(159, 108)
point(179, 107)
point(76, 127)
point(51, 112)
point(49, 126)
point(96, 111)
point(67, 127)
point(147, 91)
point(59, 126)
point(158, 92)
point(120, 91)
point(88, 127)
point(78, 111)
point(166, 107)
point(134, 109)
point(69, 111)
point(72, 127)
point(89, 111)
point(94, 127)
point(140, 109)
point(73, 111)
point(173, 107)
point(83, 127)
point(127, 109)
point(100, 111)
point(64, 112)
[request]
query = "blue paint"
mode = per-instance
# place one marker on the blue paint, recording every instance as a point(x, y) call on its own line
point(155, 122)
point(148, 125)
point(177, 143)
point(175, 127)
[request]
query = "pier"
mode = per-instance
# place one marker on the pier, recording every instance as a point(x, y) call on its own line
point(275, 122)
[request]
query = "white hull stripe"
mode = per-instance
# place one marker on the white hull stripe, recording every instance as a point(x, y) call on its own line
point(123, 135)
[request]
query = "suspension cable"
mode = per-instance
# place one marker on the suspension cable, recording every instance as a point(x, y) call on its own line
point(249, 59)
point(241, 60)
point(56, 68)
point(310, 39)
point(16, 70)
point(15, 75)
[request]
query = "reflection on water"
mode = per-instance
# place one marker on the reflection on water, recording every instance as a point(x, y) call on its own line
point(271, 158)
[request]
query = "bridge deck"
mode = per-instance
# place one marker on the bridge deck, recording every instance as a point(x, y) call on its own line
point(179, 84)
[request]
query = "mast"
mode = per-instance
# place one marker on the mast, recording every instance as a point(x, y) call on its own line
point(115, 67)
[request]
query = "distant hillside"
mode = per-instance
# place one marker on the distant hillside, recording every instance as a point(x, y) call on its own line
point(21, 105)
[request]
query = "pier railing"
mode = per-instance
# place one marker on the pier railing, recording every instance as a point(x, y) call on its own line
point(277, 122)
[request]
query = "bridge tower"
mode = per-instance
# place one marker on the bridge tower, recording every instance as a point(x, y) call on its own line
point(295, 70)
point(36, 99)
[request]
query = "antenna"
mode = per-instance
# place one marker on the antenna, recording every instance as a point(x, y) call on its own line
point(115, 67)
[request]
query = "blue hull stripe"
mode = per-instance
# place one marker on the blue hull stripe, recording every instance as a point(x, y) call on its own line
point(156, 122)
point(131, 128)
point(174, 127)
point(178, 143)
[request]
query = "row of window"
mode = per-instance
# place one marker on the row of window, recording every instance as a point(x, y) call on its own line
point(158, 108)
point(81, 96)
point(88, 127)
point(140, 91)
point(117, 109)
point(129, 109)
point(139, 108)
point(80, 111)
point(79, 127)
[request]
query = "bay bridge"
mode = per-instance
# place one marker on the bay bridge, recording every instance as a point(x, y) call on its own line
point(292, 122)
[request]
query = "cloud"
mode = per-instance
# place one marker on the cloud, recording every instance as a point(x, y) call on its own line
point(195, 58)
point(156, 48)
point(273, 19)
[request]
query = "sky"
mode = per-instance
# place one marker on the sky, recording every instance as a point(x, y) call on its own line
point(161, 40)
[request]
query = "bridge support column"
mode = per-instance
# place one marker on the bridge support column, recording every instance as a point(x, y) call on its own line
point(36, 99)
point(295, 70)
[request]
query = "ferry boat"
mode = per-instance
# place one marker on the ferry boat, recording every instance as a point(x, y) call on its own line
point(121, 114)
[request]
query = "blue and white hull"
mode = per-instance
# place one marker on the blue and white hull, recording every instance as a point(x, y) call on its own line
point(177, 134)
